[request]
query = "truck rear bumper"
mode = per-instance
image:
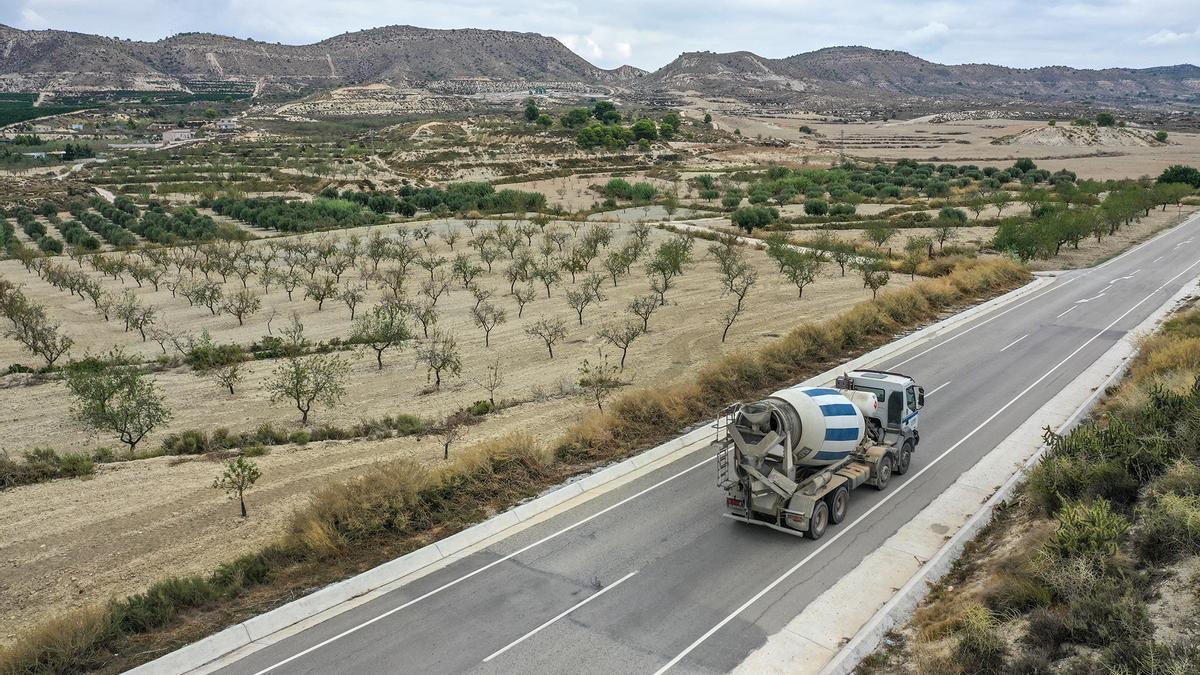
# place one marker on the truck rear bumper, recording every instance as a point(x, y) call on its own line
point(773, 526)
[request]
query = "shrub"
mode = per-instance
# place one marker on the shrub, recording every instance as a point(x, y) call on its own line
point(1087, 529)
point(1018, 593)
point(1109, 612)
point(299, 437)
point(1169, 527)
point(980, 648)
point(190, 442)
point(481, 408)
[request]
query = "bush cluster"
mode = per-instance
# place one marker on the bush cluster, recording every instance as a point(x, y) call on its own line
point(43, 464)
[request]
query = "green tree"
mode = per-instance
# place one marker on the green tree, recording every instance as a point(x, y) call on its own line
point(1105, 120)
point(239, 475)
point(645, 129)
point(1179, 173)
point(440, 355)
point(879, 233)
point(816, 206)
point(381, 329)
point(531, 111)
point(307, 380)
point(113, 395)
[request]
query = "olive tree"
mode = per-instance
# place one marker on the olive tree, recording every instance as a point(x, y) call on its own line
point(597, 381)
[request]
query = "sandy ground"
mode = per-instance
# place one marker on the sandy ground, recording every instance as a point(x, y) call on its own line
point(71, 542)
point(959, 142)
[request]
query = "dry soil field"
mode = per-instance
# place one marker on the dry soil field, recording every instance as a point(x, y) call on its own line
point(72, 542)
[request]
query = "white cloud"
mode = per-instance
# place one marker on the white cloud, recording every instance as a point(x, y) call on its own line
point(32, 19)
point(931, 33)
point(1168, 37)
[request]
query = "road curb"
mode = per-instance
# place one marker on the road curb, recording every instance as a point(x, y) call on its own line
point(905, 601)
point(207, 650)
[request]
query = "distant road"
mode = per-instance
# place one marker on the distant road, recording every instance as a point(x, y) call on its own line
point(630, 581)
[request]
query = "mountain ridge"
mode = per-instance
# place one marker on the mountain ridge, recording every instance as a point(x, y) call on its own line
point(67, 61)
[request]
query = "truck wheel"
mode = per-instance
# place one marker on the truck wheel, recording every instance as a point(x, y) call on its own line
point(905, 461)
point(883, 472)
point(839, 504)
point(819, 521)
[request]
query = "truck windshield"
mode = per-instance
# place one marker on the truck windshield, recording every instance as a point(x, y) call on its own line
point(910, 396)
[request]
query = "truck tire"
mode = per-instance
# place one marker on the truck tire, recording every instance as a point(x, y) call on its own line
point(819, 521)
point(839, 504)
point(883, 472)
point(905, 460)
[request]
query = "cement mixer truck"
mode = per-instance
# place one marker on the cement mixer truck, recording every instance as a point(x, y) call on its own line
point(791, 460)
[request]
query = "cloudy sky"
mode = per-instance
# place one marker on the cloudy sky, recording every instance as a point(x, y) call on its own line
point(649, 33)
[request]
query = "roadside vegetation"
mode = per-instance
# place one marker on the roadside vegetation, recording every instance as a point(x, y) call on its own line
point(1092, 566)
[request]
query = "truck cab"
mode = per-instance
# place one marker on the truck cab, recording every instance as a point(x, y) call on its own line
point(898, 401)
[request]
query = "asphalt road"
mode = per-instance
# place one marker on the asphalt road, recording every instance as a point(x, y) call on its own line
point(654, 577)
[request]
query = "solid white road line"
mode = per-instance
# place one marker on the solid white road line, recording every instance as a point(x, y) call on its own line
point(1158, 258)
point(1066, 312)
point(1015, 341)
point(887, 497)
point(488, 566)
point(537, 630)
point(936, 389)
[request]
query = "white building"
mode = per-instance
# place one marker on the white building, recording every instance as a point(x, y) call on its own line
point(227, 124)
point(176, 135)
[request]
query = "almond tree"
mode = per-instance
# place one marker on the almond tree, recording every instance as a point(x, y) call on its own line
point(598, 381)
point(352, 295)
point(739, 289)
point(524, 296)
point(382, 328)
point(550, 331)
point(239, 475)
point(241, 304)
point(492, 380)
point(320, 290)
point(644, 306)
point(622, 336)
point(487, 316)
point(117, 397)
point(309, 380)
point(440, 355)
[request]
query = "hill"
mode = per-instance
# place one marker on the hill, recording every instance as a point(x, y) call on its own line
point(51, 60)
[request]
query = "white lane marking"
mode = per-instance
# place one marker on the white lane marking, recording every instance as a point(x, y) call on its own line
point(1144, 244)
point(1066, 312)
point(488, 566)
point(581, 603)
point(1095, 297)
point(888, 496)
point(936, 389)
point(982, 323)
point(1015, 341)
point(1158, 258)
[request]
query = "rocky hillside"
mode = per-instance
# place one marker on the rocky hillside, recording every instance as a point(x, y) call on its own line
point(472, 61)
point(860, 73)
point(64, 61)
